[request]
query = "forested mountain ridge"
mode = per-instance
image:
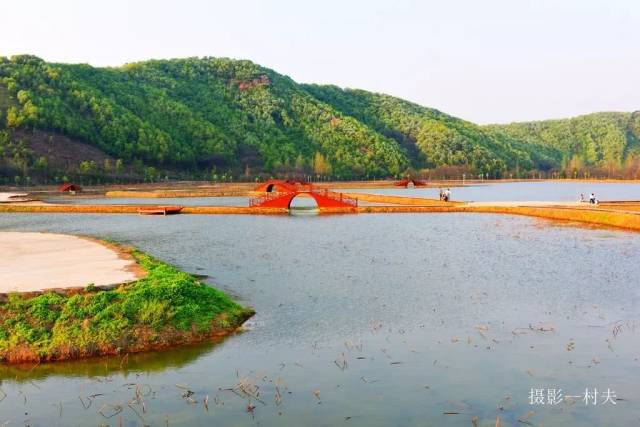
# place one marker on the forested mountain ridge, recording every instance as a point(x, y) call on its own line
point(433, 138)
point(599, 142)
point(194, 114)
point(606, 140)
point(214, 117)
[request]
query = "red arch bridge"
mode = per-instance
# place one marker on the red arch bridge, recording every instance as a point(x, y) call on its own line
point(280, 194)
point(324, 199)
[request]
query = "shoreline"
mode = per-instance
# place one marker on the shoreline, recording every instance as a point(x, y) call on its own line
point(619, 214)
point(34, 263)
point(164, 309)
point(243, 187)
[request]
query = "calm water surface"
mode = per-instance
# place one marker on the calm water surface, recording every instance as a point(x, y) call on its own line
point(512, 191)
point(368, 320)
point(524, 191)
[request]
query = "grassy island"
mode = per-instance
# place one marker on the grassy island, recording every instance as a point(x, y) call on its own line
point(166, 308)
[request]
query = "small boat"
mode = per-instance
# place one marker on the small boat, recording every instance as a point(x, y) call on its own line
point(16, 198)
point(159, 210)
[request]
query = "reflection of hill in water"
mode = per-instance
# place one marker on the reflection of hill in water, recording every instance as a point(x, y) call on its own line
point(153, 361)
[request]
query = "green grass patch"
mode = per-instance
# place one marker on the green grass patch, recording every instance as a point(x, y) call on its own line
point(162, 308)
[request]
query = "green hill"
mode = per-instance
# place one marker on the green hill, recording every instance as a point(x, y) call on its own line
point(432, 138)
point(213, 117)
point(602, 140)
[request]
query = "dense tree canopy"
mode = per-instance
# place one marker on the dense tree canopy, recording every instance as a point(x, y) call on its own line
point(432, 138)
point(208, 116)
point(192, 113)
point(600, 139)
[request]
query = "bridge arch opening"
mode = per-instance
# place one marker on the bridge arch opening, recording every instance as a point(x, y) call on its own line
point(303, 203)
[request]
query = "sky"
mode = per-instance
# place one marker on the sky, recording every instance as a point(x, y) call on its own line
point(487, 61)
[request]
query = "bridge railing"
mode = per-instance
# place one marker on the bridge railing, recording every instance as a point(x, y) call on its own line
point(338, 196)
point(257, 201)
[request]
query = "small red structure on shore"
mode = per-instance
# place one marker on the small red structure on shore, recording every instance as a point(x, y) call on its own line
point(282, 186)
point(406, 183)
point(69, 188)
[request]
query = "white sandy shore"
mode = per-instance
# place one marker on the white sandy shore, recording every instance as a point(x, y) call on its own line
point(37, 261)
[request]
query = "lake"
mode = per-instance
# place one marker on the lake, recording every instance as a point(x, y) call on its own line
point(368, 320)
point(555, 191)
point(563, 191)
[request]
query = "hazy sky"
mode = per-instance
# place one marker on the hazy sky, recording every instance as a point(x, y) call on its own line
point(482, 60)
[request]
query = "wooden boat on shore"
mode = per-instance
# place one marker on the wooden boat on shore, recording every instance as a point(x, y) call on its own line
point(16, 198)
point(159, 210)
